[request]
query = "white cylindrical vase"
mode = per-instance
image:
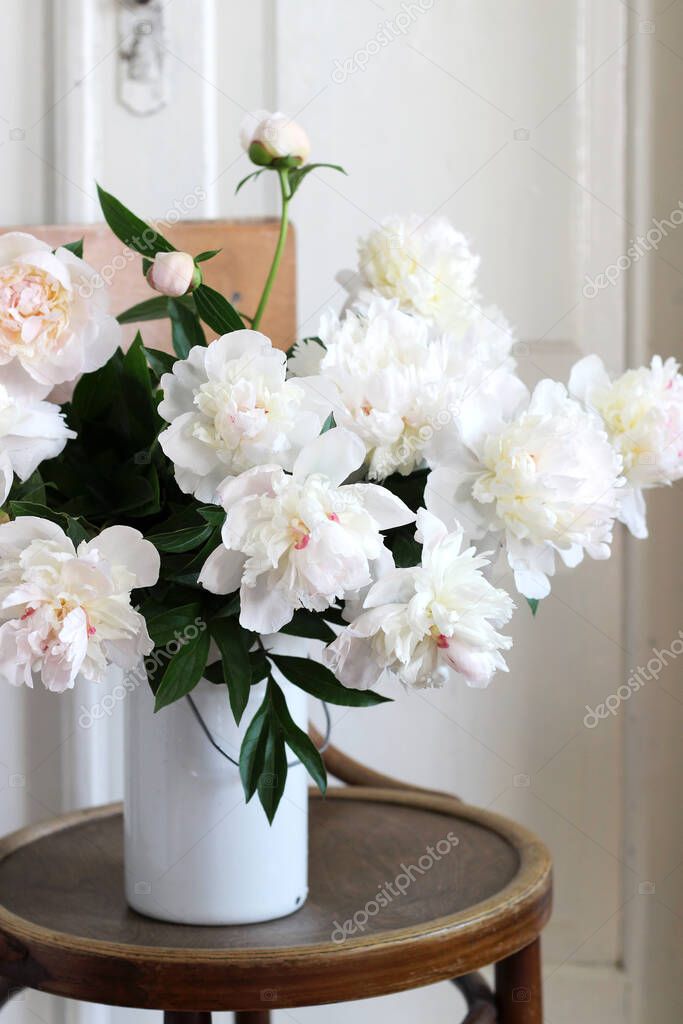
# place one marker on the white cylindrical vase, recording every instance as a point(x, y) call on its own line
point(195, 851)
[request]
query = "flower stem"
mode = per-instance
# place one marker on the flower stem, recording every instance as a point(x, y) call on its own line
point(279, 249)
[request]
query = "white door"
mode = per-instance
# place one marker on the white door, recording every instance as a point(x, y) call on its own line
point(545, 129)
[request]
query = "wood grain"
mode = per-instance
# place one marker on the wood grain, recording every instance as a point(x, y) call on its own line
point(238, 272)
point(65, 927)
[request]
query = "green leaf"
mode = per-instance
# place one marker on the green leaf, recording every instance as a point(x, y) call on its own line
point(214, 673)
point(213, 514)
point(208, 255)
point(410, 489)
point(328, 424)
point(152, 309)
point(249, 177)
point(216, 311)
point(321, 683)
point(183, 671)
point(309, 624)
point(297, 175)
point(34, 508)
point(75, 531)
point(96, 391)
point(271, 783)
point(75, 247)
point(407, 552)
point(533, 604)
point(162, 628)
point(32, 489)
point(232, 642)
point(186, 329)
point(260, 666)
point(143, 419)
point(297, 740)
point(159, 362)
point(181, 540)
point(253, 748)
point(132, 231)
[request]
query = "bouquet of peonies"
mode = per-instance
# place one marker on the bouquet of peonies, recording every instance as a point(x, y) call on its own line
point(334, 493)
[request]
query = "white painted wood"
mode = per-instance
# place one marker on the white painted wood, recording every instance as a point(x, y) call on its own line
point(510, 119)
point(654, 822)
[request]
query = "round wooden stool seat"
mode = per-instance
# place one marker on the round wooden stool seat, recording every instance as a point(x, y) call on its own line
point(406, 888)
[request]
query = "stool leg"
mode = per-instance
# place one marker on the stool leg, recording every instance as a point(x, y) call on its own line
point(252, 1017)
point(180, 1017)
point(519, 987)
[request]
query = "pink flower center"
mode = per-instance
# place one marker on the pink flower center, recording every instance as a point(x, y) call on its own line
point(34, 309)
point(442, 641)
point(333, 517)
point(28, 613)
point(302, 542)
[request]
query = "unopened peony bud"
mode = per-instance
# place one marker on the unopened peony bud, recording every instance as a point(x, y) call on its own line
point(173, 273)
point(270, 137)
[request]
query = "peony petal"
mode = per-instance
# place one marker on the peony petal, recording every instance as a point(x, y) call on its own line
point(386, 509)
point(234, 346)
point(6, 477)
point(586, 375)
point(125, 547)
point(632, 512)
point(258, 480)
point(222, 571)
point(17, 535)
point(266, 607)
point(336, 454)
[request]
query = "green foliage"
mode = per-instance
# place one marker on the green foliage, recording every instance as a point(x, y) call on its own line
point(152, 309)
point(233, 643)
point(216, 311)
point(317, 680)
point(186, 330)
point(263, 756)
point(533, 604)
point(75, 247)
point(132, 231)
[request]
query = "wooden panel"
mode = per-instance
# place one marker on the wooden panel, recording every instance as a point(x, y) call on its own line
point(238, 271)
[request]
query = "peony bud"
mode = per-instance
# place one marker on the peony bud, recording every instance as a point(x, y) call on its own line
point(268, 138)
point(173, 273)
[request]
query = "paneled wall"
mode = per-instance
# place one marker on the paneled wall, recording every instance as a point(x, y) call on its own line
point(515, 121)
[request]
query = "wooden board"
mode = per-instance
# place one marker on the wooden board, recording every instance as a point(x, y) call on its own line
point(238, 272)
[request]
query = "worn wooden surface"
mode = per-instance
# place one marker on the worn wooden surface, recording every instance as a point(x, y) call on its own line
point(65, 927)
point(238, 272)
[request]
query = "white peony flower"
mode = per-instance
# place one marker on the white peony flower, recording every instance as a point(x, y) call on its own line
point(300, 541)
point(427, 265)
point(230, 408)
point(545, 481)
point(423, 623)
point(643, 414)
point(53, 312)
point(275, 135)
point(66, 613)
point(402, 389)
point(31, 430)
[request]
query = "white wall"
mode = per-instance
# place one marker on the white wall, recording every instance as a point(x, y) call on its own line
point(516, 121)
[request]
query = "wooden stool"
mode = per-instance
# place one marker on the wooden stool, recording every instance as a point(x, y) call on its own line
point(407, 887)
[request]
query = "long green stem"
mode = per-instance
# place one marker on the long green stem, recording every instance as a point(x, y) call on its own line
point(279, 249)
